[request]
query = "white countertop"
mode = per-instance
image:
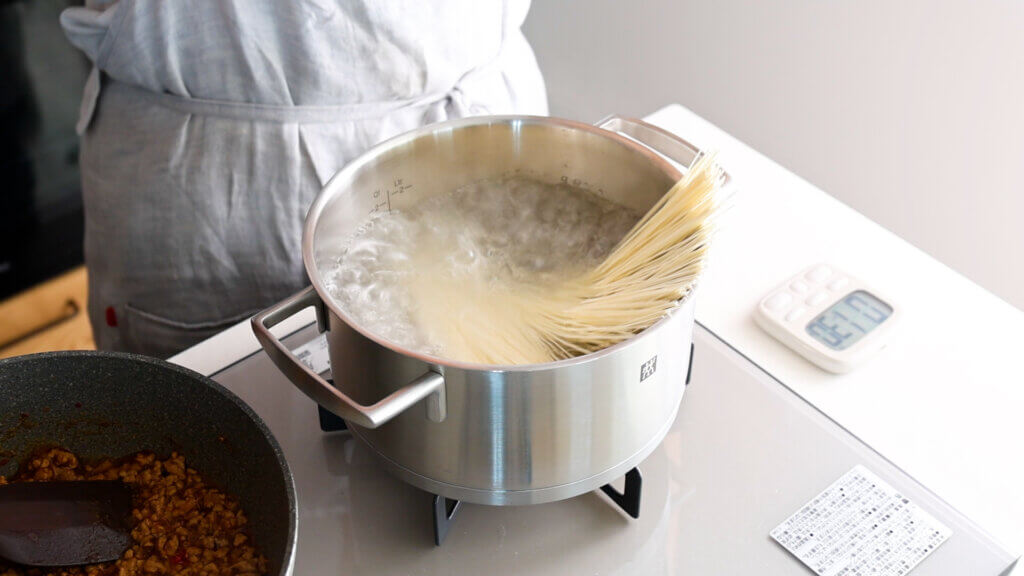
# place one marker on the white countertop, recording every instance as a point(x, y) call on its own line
point(944, 400)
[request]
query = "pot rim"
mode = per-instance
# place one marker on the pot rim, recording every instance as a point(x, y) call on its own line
point(335, 187)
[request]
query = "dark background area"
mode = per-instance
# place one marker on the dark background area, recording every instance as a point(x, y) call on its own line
point(41, 221)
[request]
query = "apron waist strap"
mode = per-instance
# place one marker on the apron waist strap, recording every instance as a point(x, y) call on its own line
point(265, 112)
point(285, 113)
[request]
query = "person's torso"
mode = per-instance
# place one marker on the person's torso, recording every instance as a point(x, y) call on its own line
point(296, 52)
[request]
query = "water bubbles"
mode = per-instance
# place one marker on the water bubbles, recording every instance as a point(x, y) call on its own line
point(491, 231)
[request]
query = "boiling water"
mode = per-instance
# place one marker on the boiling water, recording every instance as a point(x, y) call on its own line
point(489, 233)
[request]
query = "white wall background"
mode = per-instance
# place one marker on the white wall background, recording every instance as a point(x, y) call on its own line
point(911, 112)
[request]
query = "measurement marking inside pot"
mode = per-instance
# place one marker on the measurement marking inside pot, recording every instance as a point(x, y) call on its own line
point(398, 187)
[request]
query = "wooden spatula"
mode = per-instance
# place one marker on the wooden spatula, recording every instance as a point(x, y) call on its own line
point(64, 523)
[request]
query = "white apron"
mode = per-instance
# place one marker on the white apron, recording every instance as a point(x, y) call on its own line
point(208, 127)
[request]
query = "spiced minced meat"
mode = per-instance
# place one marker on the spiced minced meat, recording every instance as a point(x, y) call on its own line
point(182, 526)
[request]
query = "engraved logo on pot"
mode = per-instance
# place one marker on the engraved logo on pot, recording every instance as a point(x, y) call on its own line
point(648, 368)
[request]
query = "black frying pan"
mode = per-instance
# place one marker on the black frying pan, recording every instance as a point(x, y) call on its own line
point(108, 405)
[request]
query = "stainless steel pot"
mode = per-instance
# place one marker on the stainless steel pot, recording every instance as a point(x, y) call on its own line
point(500, 435)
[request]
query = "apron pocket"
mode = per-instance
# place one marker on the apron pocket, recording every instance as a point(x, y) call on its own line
point(153, 335)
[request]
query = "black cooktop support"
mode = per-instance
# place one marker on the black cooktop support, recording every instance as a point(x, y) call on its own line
point(689, 367)
point(329, 421)
point(445, 510)
point(629, 498)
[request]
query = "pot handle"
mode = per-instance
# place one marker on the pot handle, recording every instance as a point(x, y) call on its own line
point(321, 391)
point(658, 139)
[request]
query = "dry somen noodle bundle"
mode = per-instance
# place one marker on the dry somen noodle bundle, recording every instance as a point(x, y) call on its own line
point(640, 281)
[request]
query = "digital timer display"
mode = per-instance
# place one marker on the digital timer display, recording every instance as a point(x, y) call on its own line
point(848, 320)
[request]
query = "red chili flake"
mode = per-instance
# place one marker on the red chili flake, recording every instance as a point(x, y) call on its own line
point(4, 461)
point(78, 404)
point(111, 317)
point(180, 557)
